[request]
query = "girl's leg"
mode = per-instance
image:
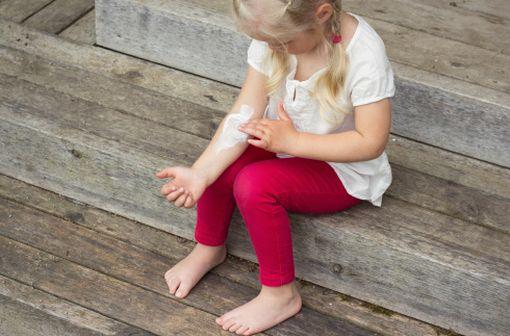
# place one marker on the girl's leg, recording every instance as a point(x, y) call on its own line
point(266, 190)
point(214, 210)
point(216, 205)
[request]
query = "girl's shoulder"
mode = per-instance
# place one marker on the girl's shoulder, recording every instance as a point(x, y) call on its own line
point(370, 77)
point(366, 45)
point(257, 56)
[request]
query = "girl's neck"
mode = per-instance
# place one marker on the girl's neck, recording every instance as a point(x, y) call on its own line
point(348, 26)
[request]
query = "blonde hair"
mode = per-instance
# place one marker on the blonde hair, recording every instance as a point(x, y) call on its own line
point(282, 19)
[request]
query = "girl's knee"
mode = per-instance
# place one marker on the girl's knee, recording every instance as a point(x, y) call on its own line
point(251, 183)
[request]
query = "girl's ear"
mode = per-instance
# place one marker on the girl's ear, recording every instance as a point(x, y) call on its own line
point(324, 12)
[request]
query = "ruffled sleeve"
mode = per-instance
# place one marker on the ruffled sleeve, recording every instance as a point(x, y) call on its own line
point(256, 56)
point(373, 80)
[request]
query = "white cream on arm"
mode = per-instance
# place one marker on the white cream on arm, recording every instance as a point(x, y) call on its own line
point(230, 134)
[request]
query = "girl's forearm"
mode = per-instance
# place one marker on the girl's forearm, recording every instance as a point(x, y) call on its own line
point(349, 146)
point(211, 164)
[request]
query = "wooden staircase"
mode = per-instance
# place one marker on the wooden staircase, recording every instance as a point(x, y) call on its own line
point(89, 124)
point(427, 252)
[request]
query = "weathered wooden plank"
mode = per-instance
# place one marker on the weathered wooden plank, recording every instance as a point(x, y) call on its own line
point(493, 9)
point(318, 298)
point(140, 267)
point(105, 294)
point(378, 255)
point(146, 104)
point(58, 15)
point(19, 10)
point(424, 111)
point(441, 19)
point(61, 309)
point(462, 202)
point(22, 320)
point(120, 67)
point(83, 30)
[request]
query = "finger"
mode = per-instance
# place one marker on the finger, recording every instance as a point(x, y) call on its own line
point(181, 199)
point(257, 122)
point(167, 172)
point(258, 143)
point(189, 200)
point(174, 194)
point(265, 122)
point(259, 132)
point(168, 187)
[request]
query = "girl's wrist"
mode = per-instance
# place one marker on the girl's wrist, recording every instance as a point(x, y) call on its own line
point(294, 144)
point(201, 174)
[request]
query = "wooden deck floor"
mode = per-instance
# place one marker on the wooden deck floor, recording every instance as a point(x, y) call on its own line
point(67, 268)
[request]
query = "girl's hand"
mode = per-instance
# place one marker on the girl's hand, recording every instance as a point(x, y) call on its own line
point(186, 186)
point(275, 135)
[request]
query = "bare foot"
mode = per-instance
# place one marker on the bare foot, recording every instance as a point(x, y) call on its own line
point(183, 276)
point(272, 306)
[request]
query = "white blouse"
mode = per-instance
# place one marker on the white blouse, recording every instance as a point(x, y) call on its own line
point(369, 79)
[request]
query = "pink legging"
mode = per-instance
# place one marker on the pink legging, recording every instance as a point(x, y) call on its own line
point(264, 188)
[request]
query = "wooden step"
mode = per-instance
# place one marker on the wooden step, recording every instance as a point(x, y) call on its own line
point(133, 258)
point(442, 87)
point(68, 127)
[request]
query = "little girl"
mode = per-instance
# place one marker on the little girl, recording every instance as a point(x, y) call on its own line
point(318, 146)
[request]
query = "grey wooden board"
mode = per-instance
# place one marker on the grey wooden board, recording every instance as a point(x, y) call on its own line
point(440, 18)
point(19, 10)
point(320, 299)
point(400, 257)
point(22, 320)
point(58, 15)
point(479, 205)
point(492, 9)
point(83, 30)
point(62, 309)
point(423, 111)
point(137, 266)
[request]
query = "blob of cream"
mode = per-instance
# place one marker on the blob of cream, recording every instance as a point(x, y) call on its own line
point(230, 135)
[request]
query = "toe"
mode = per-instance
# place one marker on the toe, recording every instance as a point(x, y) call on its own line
point(228, 324)
point(247, 332)
point(241, 330)
point(220, 320)
point(234, 327)
point(173, 283)
point(182, 291)
point(223, 318)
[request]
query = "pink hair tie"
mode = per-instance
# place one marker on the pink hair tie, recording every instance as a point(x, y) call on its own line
point(336, 39)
